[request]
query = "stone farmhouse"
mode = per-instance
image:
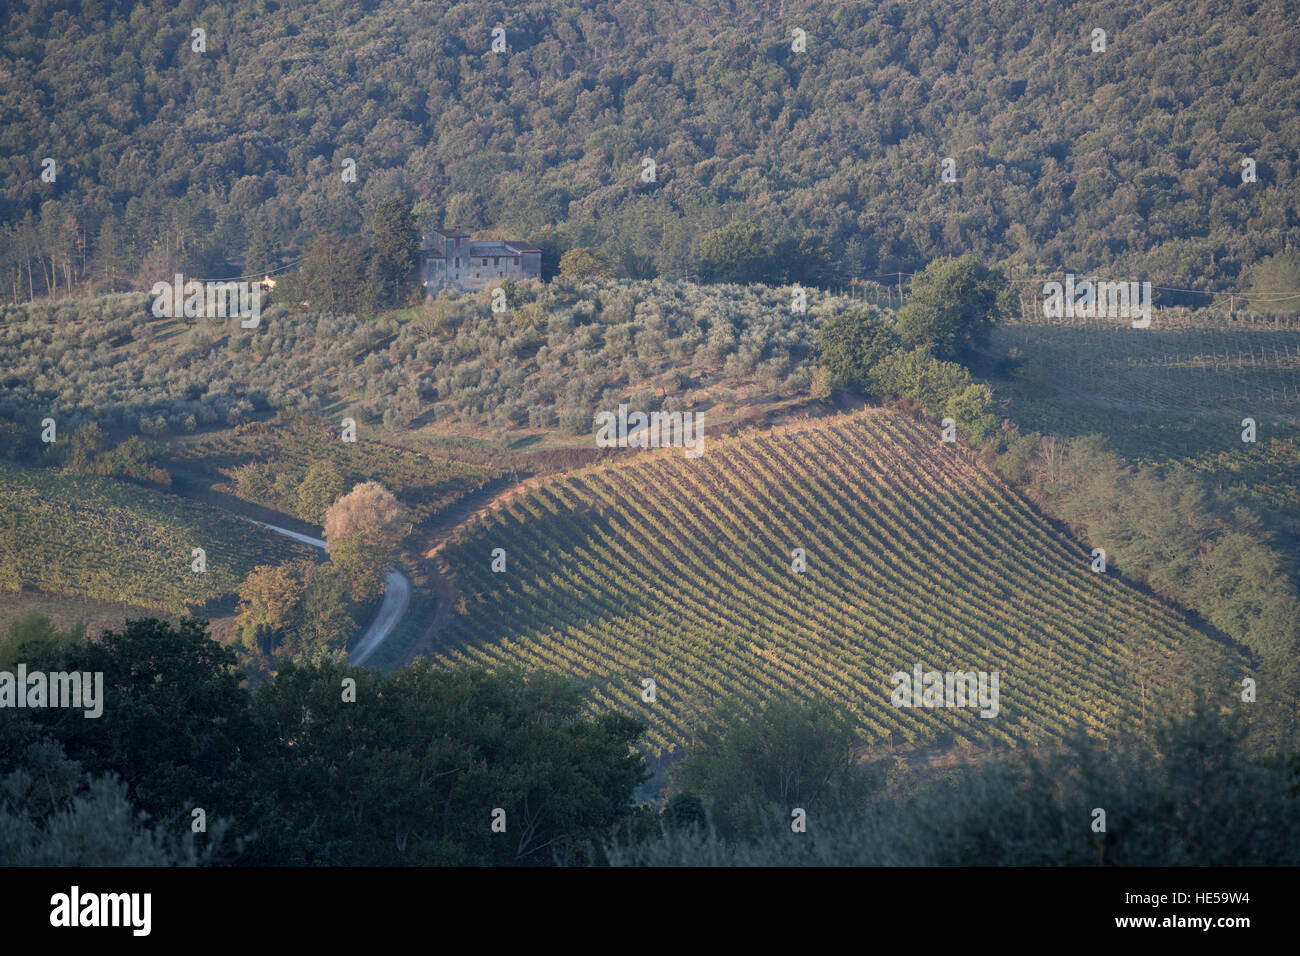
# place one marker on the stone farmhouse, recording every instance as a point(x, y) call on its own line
point(452, 261)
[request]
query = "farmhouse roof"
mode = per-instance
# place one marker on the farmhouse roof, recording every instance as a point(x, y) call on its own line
point(499, 247)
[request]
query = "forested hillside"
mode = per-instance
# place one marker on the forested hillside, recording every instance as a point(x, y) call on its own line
point(230, 160)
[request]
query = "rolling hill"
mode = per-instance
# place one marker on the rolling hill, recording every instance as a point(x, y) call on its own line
point(680, 571)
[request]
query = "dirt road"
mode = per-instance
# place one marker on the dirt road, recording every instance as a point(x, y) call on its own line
point(397, 598)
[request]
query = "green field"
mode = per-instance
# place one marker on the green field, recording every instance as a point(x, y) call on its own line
point(117, 542)
point(680, 571)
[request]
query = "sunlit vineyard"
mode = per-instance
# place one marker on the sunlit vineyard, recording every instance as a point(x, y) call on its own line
point(107, 540)
point(681, 571)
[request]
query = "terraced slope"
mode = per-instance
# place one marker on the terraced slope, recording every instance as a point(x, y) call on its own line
point(680, 571)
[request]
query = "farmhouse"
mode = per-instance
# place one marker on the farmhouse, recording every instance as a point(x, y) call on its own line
point(452, 261)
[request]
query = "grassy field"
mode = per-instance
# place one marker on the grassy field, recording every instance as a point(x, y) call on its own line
point(67, 611)
point(680, 571)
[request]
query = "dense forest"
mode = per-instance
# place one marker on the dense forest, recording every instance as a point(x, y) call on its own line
point(231, 160)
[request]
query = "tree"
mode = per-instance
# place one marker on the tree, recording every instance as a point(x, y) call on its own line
point(130, 459)
point(804, 258)
point(55, 814)
point(684, 811)
point(359, 563)
point(363, 531)
point(369, 509)
point(320, 488)
point(391, 272)
point(1274, 281)
point(553, 246)
point(271, 603)
point(175, 723)
point(1179, 789)
point(734, 253)
point(920, 376)
point(110, 252)
point(970, 410)
point(332, 278)
point(260, 252)
point(851, 343)
point(35, 637)
point(84, 447)
point(430, 753)
point(581, 262)
point(952, 306)
point(822, 386)
point(327, 622)
point(753, 767)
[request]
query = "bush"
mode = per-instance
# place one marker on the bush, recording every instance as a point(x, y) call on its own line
point(970, 410)
point(576, 421)
point(1174, 799)
point(823, 385)
point(752, 767)
point(582, 263)
point(918, 375)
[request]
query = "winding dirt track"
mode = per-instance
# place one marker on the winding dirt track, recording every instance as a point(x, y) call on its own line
point(397, 598)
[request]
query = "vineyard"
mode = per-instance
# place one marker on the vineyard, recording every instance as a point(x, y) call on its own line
point(1184, 363)
point(680, 571)
point(1176, 391)
point(426, 484)
point(111, 541)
